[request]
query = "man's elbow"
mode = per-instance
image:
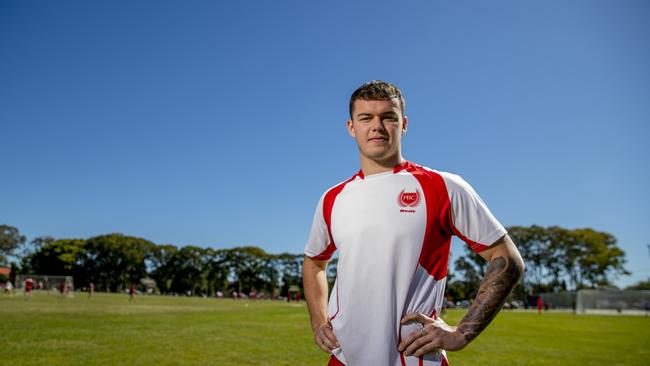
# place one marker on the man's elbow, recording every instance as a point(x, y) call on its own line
point(519, 265)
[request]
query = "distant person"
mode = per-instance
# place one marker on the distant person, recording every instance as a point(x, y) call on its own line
point(392, 223)
point(62, 289)
point(29, 286)
point(9, 288)
point(91, 289)
point(540, 305)
point(132, 293)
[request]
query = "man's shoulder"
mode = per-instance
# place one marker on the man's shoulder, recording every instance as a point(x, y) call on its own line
point(450, 180)
point(340, 185)
point(414, 167)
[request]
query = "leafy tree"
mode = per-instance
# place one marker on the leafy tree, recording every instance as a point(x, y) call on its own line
point(599, 259)
point(555, 255)
point(60, 258)
point(290, 268)
point(14, 272)
point(218, 270)
point(187, 269)
point(253, 269)
point(470, 276)
point(39, 242)
point(158, 268)
point(115, 261)
point(641, 285)
point(10, 240)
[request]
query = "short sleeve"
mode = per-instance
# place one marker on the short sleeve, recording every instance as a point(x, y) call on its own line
point(319, 245)
point(471, 220)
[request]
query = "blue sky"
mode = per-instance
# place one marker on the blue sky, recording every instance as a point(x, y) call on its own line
point(220, 124)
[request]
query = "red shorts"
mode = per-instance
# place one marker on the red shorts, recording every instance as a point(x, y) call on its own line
point(335, 362)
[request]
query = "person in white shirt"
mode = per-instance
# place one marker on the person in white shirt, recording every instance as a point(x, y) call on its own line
point(392, 224)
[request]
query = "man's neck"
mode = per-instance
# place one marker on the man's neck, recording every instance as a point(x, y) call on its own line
point(369, 166)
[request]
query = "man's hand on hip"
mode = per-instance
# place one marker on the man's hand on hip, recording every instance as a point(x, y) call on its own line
point(325, 338)
point(435, 335)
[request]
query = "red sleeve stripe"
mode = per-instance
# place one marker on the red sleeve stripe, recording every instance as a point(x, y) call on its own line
point(327, 253)
point(476, 247)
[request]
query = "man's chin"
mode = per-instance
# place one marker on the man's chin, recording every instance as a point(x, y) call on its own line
point(380, 157)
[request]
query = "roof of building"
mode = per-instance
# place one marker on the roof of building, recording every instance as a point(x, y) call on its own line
point(5, 271)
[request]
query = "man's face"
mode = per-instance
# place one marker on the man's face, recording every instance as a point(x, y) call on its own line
point(377, 126)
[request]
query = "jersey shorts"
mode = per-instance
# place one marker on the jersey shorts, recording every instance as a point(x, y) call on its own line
point(393, 234)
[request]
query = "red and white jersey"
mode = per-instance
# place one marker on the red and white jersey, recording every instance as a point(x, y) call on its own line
point(393, 232)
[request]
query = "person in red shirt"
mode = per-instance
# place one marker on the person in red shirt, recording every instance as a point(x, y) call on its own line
point(539, 305)
point(29, 285)
point(132, 293)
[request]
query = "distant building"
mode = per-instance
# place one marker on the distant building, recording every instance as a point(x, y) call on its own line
point(5, 272)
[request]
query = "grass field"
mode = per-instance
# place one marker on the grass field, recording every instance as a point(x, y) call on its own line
point(108, 330)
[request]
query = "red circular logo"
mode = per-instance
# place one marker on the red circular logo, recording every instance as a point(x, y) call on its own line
point(409, 199)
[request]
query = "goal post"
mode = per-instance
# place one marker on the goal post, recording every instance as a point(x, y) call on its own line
point(46, 282)
point(613, 302)
point(610, 301)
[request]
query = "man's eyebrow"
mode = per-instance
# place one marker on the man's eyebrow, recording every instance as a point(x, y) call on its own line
point(363, 114)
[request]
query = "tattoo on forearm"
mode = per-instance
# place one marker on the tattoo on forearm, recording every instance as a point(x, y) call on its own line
point(501, 277)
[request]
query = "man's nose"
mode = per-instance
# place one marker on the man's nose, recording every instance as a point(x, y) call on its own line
point(377, 124)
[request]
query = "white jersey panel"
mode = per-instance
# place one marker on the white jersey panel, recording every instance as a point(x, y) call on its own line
point(470, 215)
point(393, 232)
point(318, 236)
point(379, 247)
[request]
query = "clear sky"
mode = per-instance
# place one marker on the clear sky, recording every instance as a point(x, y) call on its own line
point(221, 123)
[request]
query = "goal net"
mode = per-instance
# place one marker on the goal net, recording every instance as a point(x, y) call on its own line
point(46, 283)
point(612, 302)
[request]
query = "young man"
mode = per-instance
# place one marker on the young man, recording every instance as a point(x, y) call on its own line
point(392, 224)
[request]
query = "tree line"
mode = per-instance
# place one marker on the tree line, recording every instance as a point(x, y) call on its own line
point(557, 259)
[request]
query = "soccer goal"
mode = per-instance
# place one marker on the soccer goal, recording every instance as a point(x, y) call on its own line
point(63, 285)
point(613, 302)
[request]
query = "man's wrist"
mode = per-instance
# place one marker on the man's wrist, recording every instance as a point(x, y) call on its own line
point(457, 341)
point(315, 326)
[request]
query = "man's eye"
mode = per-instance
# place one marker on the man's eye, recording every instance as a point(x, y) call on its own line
point(390, 119)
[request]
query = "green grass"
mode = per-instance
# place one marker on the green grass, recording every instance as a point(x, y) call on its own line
point(108, 330)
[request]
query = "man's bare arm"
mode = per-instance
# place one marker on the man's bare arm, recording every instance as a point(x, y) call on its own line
point(314, 280)
point(504, 270)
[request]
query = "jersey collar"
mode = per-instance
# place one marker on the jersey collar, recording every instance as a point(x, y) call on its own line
point(401, 166)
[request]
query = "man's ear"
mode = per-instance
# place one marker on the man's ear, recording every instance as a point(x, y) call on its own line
point(405, 123)
point(351, 128)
